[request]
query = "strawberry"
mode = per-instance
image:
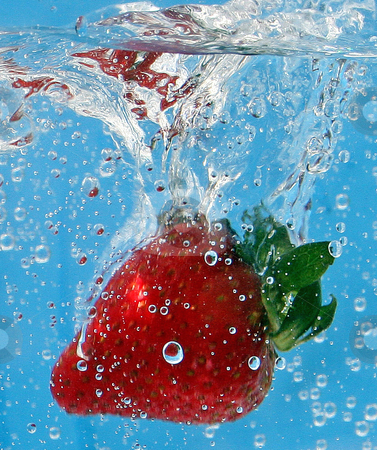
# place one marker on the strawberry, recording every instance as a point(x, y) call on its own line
point(184, 329)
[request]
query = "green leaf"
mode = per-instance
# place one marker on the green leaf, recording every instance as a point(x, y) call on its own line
point(267, 240)
point(301, 266)
point(301, 316)
point(324, 320)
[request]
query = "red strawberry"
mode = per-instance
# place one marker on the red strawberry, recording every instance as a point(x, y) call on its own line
point(179, 334)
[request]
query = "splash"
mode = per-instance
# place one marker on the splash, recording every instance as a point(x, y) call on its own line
point(213, 99)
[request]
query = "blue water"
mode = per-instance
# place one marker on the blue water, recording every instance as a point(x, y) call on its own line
point(325, 397)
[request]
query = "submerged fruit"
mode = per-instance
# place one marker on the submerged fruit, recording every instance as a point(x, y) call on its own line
point(174, 334)
point(184, 329)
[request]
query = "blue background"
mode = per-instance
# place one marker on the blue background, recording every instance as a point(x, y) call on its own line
point(287, 419)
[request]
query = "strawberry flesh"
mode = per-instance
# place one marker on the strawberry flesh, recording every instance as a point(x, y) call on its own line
point(179, 334)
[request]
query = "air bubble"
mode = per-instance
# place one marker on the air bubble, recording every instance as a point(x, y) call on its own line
point(257, 107)
point(92, 312)
point(99, 229)
point(228, 261)
point(54, 433)
point(270, 280)
point(99, 392)
point(232, 330)
point(81, 259)
point(351, 402)
point(344, 156)
point(218, 226)
point(90, 186)
point(340, 227)
point(100, 368)
point(321, 380)
point(107, 168)
point(342, 201)
point(6, 242)
point(31, 428)
point(242, 298)
point(152, 308)
point(3, 214)
point(211, 257)
point(172, 352)
point(253, 362)
point(360, 304)
point(42, 254)
point(371, 412)
point(280, 363)
point(159, 186)
point(329, 409)
point(239, 409)
point(335, 249)
point(82, 365)
point(20, 214)
point(362, 428)
point(46, 354)
point(164, 310)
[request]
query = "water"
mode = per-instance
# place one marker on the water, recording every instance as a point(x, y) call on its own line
point(237, 104)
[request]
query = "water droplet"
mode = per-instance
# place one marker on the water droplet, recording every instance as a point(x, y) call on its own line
point(54, 433)
point(100, 368)
point(218, 226)
point(82, 365)
point(90, 186)
point(42, 254)
point(335, 249)
point(228, 261)
point(152, 308)
point(254, 362)
point(242, 298)
point(239, 409)
point(31, 428)
point(186, 243)
point(210, 257)
point(232, 330)
point(173, 352)
point(143, 415)
point(280, 363)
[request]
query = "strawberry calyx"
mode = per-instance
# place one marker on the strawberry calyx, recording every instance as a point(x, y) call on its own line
point(291, 288)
